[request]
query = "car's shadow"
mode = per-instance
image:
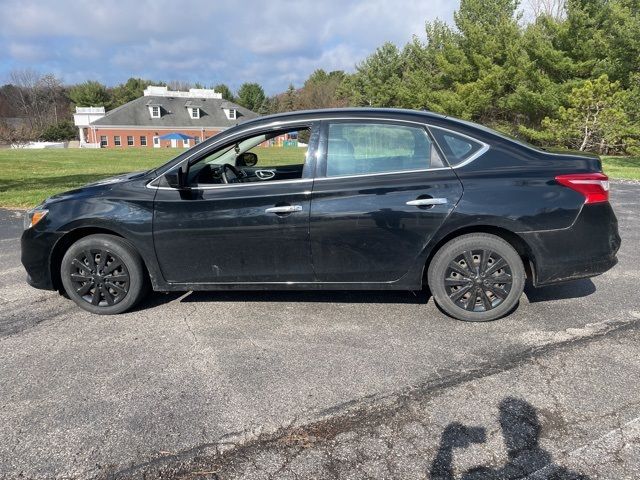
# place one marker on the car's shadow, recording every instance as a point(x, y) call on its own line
point(325, 296)
point(576, 289)
point(573, 289)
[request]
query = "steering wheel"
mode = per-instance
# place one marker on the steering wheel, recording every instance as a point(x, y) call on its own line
point(234, 170)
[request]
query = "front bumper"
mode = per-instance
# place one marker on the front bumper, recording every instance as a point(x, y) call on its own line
point(585, 249)
point(36, 252)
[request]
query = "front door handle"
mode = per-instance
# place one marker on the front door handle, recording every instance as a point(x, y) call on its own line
point(421, 202)
point(284, 209)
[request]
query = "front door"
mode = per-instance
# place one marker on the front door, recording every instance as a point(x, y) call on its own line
point(381, 193)
point(249, 230)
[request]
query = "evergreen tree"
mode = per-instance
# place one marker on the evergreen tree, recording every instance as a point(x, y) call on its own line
point(90, 94)
point(251, 96)
point(226, 92)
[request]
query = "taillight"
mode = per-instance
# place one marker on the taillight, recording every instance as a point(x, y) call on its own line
point(594, 186)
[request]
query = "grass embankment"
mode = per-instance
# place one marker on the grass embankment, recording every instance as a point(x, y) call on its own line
point(29, 176)
point(627, 168)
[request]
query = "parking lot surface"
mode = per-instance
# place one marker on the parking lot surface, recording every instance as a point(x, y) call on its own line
point(322, 384)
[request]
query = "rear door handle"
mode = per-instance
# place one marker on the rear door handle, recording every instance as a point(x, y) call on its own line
point(285, 209)
point(421, 202)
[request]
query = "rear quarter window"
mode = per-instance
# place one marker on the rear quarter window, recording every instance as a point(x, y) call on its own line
point(457, 148)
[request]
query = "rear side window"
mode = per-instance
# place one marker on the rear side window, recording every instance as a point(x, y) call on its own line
point(456, 148)
point(367, 148)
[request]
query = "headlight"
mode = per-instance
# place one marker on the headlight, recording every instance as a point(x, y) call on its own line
point(33, 216)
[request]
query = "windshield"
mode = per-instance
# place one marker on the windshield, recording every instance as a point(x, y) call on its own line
point(228, 155)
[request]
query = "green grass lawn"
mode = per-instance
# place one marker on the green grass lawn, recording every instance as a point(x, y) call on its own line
point(29, 176)
point(622, 167)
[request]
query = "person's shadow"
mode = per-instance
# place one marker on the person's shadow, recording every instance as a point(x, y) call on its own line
point(520, 431)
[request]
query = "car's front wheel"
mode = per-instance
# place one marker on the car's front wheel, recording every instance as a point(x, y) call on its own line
point(476, 277)
point(103, 274)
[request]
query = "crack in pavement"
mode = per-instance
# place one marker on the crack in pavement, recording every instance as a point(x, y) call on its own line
point(365, 411)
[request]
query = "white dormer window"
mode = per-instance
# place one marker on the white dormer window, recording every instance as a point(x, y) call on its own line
point(194, 112)
point(155, 111)
point(232, 114)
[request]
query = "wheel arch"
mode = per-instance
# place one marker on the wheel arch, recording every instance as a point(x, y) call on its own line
point(68, 239)
point(515, 240)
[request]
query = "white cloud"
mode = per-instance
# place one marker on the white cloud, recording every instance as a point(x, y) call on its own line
point(273, 42)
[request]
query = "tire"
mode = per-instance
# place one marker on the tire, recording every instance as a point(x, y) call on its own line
point(105, 289)
point(487, 291)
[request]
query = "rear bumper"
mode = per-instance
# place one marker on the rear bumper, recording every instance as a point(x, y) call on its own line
point(585, 249)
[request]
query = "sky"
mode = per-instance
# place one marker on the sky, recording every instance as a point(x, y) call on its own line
point(272, 42)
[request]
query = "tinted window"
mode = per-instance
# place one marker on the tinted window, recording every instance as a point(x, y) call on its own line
point(457, 148)
point(364, 148)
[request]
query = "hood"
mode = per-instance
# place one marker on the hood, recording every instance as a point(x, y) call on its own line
point(93, 188)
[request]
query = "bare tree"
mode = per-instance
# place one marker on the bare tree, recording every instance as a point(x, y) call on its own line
point(53, 92)
point(179, 85)
point(550, 8)
point(39, 98)
point(15, 135)
point(24, 82)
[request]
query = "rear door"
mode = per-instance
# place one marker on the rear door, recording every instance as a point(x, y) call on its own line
point(381, 192)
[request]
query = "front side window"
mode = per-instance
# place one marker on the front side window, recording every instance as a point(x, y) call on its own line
point(103, 141)
point(456, 148)
point(264, 157)
point(116, 140)
point(369, 148)
point(130, 140)
point(143, 141)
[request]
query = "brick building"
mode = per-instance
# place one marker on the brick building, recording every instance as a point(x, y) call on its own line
point(198, 113)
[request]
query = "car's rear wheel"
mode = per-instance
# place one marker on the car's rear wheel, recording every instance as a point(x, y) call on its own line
point(103, 274)
point(476, 277)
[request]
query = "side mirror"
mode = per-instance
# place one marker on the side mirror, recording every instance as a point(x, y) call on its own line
point(176, 178)
point(246, 159)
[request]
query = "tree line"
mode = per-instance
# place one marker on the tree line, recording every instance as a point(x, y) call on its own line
point(567, 76)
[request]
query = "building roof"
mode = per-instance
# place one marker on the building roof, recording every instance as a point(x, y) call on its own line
point(174, 113)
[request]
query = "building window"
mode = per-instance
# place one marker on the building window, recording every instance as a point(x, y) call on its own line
point(195, 112)
point(143, 141)
point(116, 140)
point(232, 114)
point(103, 141)
point(196, 140)
point(130, 141)
point(155, 112)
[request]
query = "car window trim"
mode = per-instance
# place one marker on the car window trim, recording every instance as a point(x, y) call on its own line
point(308, 166)
point(321, 123)
point(321, 160)
point(230, 185)
point(478, 153)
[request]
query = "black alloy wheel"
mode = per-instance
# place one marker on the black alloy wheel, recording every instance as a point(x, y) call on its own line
point(478, 280)
point(476, 277)
point(100, 277)
point(104, 274)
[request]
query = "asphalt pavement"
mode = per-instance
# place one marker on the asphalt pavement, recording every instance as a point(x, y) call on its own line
point(322, 384)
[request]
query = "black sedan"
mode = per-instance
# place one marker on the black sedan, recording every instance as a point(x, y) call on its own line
point(333, 199)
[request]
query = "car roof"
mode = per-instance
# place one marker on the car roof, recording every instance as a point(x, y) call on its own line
point(343, 112)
